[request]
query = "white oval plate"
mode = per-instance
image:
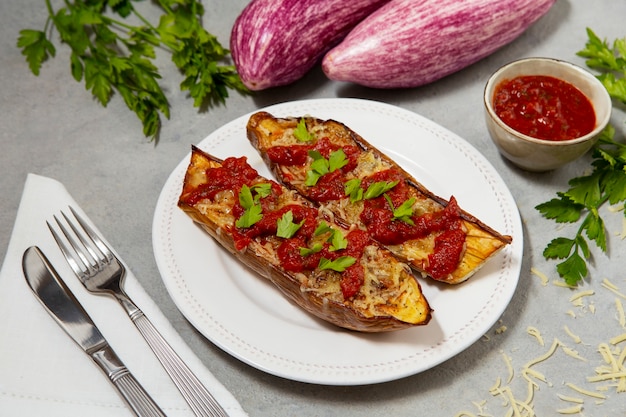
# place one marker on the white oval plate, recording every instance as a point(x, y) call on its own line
point(246, 316)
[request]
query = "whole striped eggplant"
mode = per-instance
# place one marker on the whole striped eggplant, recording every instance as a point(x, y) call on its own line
point(275, 42)
point(408, 43)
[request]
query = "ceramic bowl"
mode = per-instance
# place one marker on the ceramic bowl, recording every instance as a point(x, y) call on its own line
point(538, 154)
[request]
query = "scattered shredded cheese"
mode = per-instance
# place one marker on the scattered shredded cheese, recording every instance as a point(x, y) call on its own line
point(527, 372)
point(576, 409)
point(501, 329)
point(572, 335)
point(555, 344)
point(612, 287)
point(533, 331)
point(571, 399)
point(608, 284)
point(581, 294)
point(563, 284)
point(620, 312)
point(572, 353)
point(509, 366)
point(543, 277)
point(618, 339)
point(585, 392)
point(592, 308)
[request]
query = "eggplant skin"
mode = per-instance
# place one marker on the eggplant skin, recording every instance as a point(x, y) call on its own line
point(408, 310)
point(409, 43)
point(275, 42)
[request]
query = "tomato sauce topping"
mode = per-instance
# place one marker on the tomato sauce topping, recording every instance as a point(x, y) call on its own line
point(297, 155)
point(544, 107)
point(233, 175)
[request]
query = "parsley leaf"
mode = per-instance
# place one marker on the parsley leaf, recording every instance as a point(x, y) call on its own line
point(302, 133)
point(249, 217)
point(253, 211)
point(113, 56)
point(606, 183)
point(317, 247)
point(339, 265)
point(286, 227)
point(404, 211)
point(321, 166)
point(322, 228)
point(338, 241)
point(353, 189)
point(378, 188)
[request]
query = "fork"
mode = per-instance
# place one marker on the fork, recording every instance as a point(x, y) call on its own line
point(101, 272)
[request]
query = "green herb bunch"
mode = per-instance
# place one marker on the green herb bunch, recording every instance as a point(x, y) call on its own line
point(605, 184)
point(111, 55)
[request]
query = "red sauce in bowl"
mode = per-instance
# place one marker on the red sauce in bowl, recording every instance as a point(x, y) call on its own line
point(544, 107)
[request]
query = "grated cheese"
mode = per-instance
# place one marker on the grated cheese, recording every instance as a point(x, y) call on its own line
point(543, 277)
point(581, 294)
point(573, 353)
point(611, 287)
point(555, 344)
point(501, 329)
point(572, 335)
point(571, 410)
point(563, 284)
point(571, 399)
point(507, 361)
point(620, 312)
point(585, 392)
point(618, 339)
point(533, 331)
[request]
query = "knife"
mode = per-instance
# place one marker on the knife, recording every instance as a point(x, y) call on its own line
point(66, 310)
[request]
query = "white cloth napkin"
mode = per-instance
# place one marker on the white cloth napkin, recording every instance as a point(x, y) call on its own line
point(42, 370)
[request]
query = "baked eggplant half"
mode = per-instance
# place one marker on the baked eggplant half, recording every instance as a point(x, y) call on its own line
point(351, 180)
point(336, 273)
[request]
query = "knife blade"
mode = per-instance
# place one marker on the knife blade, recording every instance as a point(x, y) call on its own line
point(67, 311)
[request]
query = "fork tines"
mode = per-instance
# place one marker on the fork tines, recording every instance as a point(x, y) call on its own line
point(83, 262)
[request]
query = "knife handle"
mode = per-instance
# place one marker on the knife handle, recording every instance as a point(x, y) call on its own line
point(135, 396)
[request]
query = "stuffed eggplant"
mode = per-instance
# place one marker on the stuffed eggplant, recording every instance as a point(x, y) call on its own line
point(359, 186)
point(336, 273)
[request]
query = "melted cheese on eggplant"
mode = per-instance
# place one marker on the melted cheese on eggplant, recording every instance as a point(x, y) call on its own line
point(389, 288)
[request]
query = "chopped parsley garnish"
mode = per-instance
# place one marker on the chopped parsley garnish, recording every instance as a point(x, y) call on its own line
point(286, 227)
point(253, 211)
point(404, 211)
point(302, 133)
point(321, 165)
point(339, 265)
point(322, 228)
point(353, 189)
point(378, 188)
point(310, 251)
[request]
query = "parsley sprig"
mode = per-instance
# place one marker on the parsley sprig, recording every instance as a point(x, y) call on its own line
point(253, 212)
point(113, 56)
point(605, 184)
point(321, 166)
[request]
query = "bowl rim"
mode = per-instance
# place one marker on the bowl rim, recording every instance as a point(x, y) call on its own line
point(600, 124)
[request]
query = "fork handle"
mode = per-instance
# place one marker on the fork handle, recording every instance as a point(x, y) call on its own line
point(135, 396)
point(195, 393)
